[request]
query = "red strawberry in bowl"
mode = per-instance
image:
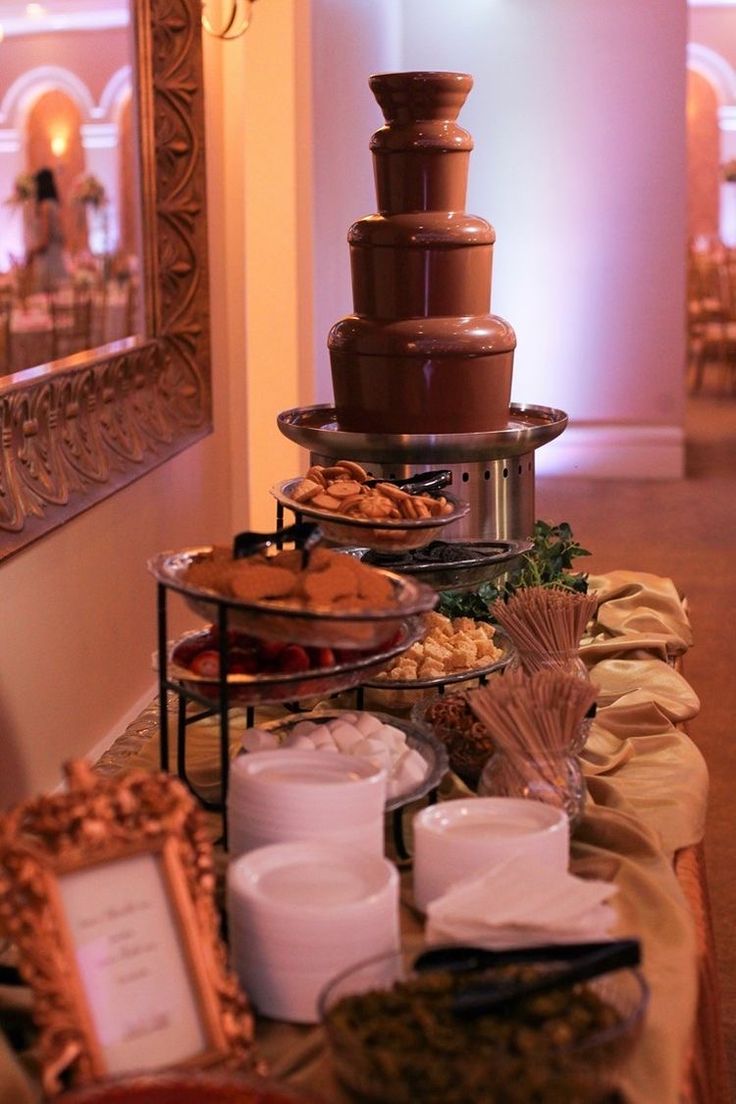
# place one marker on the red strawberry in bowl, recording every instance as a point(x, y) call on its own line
point(322, 657)
point(243, 661)
point(206, 664)
point(293, 658)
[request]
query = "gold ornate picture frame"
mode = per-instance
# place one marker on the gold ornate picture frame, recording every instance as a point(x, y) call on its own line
point(77, 430)
point(107, 892)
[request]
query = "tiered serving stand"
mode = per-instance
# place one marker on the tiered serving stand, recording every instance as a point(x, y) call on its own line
point(217, 696)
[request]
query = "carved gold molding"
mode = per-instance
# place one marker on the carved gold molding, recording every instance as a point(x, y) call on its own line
point(77, 430)
point(98, 821)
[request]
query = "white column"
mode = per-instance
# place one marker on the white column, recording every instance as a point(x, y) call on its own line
point(100, 144)
point(11, 217)
point(727, 197)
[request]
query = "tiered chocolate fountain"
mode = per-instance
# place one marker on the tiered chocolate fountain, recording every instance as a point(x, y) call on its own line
point(422, 371)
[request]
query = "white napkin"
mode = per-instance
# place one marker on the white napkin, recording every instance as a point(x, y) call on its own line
point(512, 905)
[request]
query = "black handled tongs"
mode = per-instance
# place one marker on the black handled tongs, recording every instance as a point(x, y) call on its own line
point(423, 483)
point(575, 962)
point(304, 535)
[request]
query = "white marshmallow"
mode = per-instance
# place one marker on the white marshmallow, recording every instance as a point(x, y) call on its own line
point(303, 728)
point(321, 737)
point(393, 737)
point(294, 741)
point(258, 739)
point(367, 723)
point(345, 736)
point(410, 769)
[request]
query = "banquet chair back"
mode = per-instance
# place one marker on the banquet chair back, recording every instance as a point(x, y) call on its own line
point(71, 325)
point(711, 316)
point(131, 308)
point(6, 310)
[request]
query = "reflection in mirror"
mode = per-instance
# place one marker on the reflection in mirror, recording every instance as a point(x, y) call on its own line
point(78, 429)
point(70, 223)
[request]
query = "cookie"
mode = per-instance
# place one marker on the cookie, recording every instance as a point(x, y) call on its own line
point(255, 581)
point(324, 588)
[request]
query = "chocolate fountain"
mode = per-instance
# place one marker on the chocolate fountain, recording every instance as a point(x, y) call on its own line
point(422, 370)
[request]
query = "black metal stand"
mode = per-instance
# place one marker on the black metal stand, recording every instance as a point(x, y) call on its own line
point(220, 706)
point(186, 694)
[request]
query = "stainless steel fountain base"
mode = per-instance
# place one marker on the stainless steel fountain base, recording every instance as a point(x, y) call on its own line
point(492, 471)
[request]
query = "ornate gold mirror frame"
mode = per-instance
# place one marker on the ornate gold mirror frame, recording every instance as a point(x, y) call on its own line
point(79, 429)
point(107, 892)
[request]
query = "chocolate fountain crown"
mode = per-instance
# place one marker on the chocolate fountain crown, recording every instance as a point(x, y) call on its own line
point(421, 353)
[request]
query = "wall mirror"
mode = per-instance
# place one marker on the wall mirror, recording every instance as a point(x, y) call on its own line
point(104, 333)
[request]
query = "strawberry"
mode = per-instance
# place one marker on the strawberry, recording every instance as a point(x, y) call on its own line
point(206, 664)
point(322, 657)
point(270, 650)
point(293, 658)
point(187, 649)
point(242, 661)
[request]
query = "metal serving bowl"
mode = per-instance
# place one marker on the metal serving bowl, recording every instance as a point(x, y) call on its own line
point(389, 536)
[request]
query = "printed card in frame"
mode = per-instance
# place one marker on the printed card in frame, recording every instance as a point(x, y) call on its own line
point(107, 891)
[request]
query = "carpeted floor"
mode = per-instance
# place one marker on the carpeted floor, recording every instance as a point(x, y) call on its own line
point(685, 530)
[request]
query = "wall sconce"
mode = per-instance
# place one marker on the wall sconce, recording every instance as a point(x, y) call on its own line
point(234, 24)
point(59, 144)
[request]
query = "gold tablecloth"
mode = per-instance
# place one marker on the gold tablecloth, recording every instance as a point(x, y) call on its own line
point(647, 795)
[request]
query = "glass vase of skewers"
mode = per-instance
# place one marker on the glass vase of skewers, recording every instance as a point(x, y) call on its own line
point(569, 663)
point(545, 625)
point(533, 719)
point(555, 779)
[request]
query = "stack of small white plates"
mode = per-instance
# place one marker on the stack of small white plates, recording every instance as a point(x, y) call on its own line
point(284, 795)
point(300, 913)
point(457, 839)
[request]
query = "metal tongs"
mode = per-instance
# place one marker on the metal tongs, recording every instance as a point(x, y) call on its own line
point(576, 962)
point(304, 535)
point(423, 483)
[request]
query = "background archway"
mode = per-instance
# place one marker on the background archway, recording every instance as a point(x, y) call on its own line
point(53, 140)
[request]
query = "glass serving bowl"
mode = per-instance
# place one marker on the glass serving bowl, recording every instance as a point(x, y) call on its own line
point(490, 560)
point(405, 693)
point(294, 685)
point(468, 745)
point(381, 1052)
point(278, 621)
point(183, 1087)
point(398, 535)
point(418, 738)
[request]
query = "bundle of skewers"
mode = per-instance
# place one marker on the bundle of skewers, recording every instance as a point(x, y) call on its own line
point(545, 624)
point(533, 720)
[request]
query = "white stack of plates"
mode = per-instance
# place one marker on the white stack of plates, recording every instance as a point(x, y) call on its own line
point(457, 839)
point(289, 794)
point(300, 913)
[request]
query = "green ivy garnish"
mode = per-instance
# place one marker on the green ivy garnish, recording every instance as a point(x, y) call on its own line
point(548, 563)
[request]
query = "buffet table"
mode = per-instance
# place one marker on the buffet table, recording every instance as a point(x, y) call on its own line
point(643, 828)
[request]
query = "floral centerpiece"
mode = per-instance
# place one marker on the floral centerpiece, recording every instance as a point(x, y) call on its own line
point(90, 192)
point(24, 188)
point(728, 171)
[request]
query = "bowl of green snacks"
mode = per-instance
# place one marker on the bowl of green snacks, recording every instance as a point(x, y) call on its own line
point(494, 1027)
